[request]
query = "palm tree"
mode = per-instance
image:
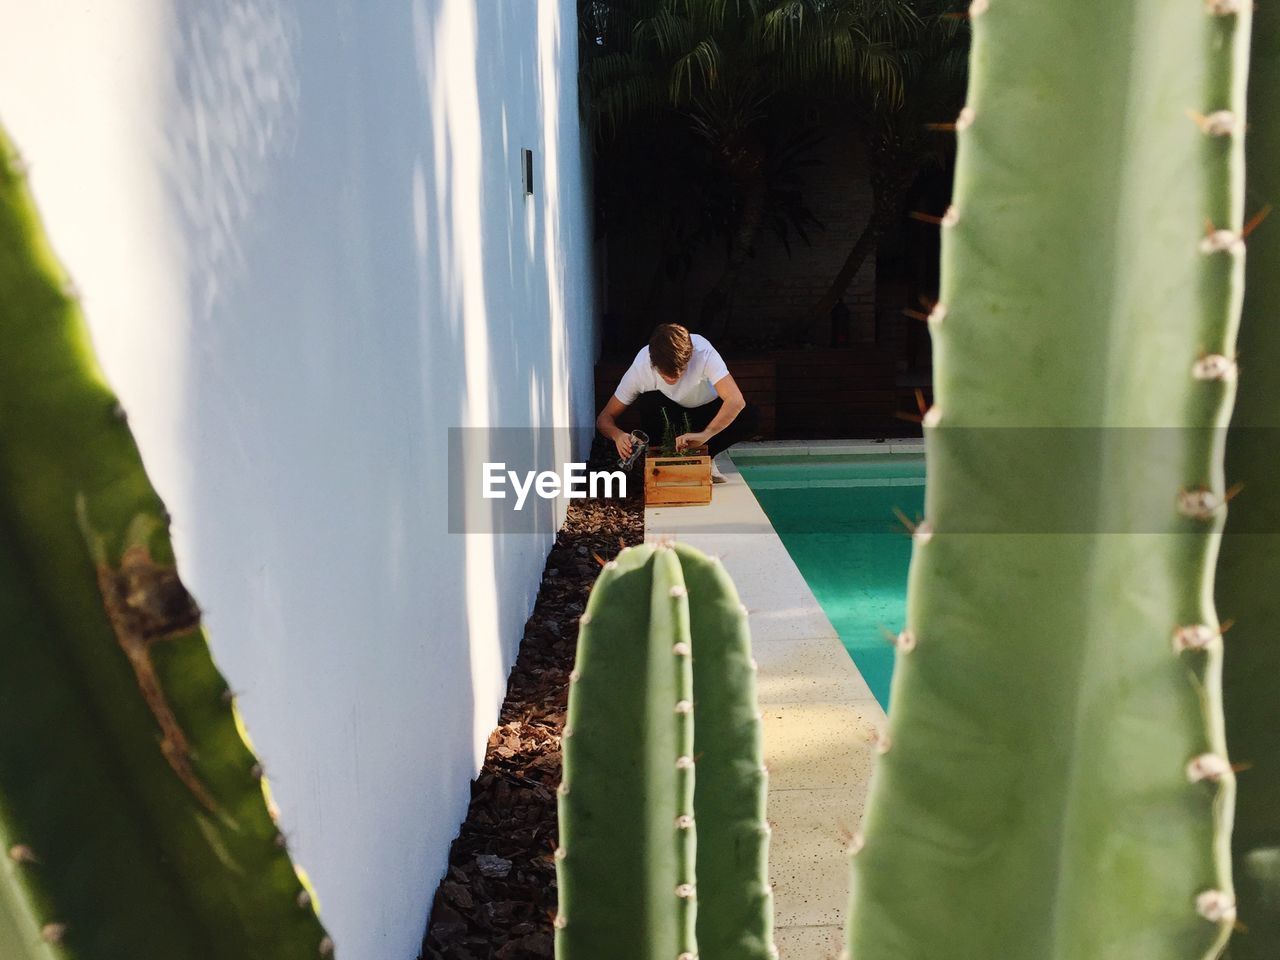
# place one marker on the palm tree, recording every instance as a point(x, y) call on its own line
point(726, 72)
point(900, 135)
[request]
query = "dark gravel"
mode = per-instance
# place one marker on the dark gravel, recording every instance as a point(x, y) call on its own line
point(499, 895)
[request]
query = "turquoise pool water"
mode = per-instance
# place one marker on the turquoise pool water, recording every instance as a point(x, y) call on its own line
point(836, 517)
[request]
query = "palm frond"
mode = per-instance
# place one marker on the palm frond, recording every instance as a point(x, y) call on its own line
point(668, 34)
point(630, 102)
point(716, 15)
point(782, 27)
point(723, 115)
point(704, 60)
point(610, 68)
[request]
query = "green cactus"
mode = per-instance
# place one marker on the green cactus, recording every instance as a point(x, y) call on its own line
point(1054, 784)
point(1249, 566)
point(664, 676)
point(134, 817)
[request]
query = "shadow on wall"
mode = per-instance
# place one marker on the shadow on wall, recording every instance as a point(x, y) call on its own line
point(364, 272)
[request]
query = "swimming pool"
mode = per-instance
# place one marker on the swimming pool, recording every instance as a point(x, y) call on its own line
point(836, 516)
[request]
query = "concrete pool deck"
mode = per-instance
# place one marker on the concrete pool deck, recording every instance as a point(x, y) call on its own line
point(820, 719)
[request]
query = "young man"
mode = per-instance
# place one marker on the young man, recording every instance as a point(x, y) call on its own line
point(684, 375)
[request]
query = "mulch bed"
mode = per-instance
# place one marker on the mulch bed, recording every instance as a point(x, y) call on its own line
point(498, 898)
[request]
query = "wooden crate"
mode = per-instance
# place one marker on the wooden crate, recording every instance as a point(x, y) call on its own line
point(679, 481)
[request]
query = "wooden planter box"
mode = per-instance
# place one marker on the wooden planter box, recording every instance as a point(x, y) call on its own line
point(678, 481)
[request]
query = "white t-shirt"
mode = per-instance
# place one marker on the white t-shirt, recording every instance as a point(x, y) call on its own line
point(695, 387)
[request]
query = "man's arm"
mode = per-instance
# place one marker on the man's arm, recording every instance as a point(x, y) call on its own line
point(607, 424)
point(733, 403)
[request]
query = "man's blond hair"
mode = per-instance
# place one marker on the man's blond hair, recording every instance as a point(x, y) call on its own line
point(670, 349)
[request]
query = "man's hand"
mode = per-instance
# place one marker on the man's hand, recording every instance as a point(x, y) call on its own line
point(686, 440)
point(607, 424)
point(623, 442)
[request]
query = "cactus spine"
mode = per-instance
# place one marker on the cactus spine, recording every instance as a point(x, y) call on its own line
point(1249, 568)
point(660, 856)
point(1058, 785)
point(133, 814)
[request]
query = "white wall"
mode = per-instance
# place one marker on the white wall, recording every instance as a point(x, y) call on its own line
point(300, 233)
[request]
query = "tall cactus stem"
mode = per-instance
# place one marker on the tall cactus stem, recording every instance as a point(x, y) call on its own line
point(1057, 731)
point(664, 856)
point(123, 762)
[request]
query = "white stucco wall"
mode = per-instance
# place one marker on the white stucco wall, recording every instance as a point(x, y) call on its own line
point(305, 252)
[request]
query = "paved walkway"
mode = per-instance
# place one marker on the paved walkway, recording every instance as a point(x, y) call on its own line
point(820, 719)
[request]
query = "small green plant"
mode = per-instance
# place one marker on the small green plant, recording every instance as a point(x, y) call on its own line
point(663, 838)
point(669, 435)
point(134, 817)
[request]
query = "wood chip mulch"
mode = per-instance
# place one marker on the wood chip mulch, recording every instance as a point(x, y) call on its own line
point(498, 898)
